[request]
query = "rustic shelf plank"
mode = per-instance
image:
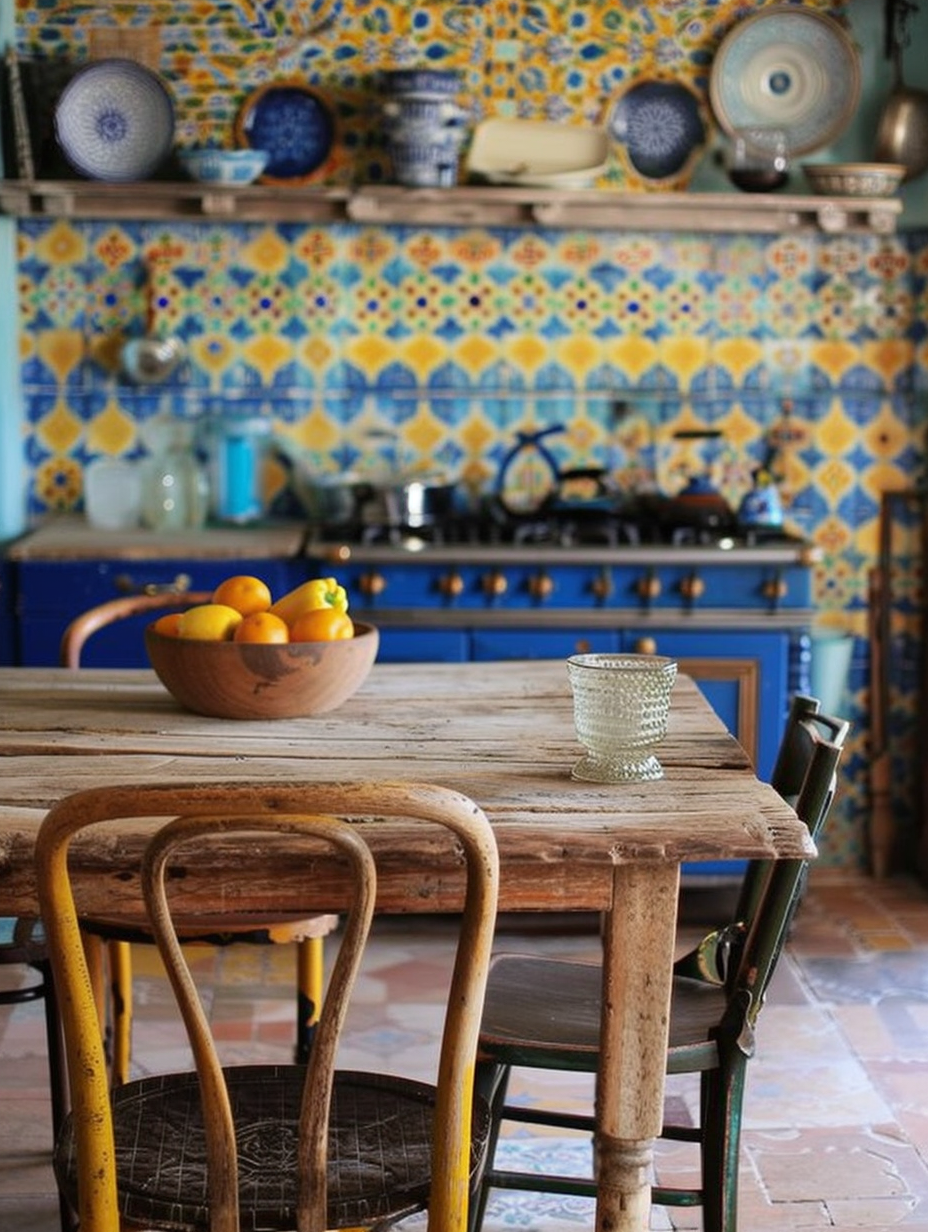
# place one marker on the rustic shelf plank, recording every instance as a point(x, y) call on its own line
point(466, 205)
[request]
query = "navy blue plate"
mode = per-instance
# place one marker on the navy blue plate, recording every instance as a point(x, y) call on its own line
point(292, 123)
point(659, 124)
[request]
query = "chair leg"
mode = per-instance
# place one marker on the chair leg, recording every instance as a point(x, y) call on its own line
point(58, 1079)
point(96, 965)
point(491, 1081)
point(119, 957)
point(722, 1099)
point(309, 980)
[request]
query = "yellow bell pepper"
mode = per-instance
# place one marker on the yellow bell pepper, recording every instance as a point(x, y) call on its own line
point(308, 597)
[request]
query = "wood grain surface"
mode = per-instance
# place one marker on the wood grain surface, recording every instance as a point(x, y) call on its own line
point(502, 733)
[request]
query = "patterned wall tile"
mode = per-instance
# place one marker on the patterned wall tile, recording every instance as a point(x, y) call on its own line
point(441, 343)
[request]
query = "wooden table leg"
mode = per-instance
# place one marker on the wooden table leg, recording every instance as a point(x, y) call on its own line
point(638, 951)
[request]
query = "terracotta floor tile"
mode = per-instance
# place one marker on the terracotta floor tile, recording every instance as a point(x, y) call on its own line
point(836, 1114)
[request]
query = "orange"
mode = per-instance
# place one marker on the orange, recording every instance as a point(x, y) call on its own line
point(245, 593)
point(262, 627)
point(209, 622)
point(168, 624)
point(321, 624)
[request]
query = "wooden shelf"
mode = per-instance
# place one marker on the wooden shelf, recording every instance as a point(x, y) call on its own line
point(465, 206)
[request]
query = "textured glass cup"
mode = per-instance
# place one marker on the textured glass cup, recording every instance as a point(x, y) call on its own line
point(621, 704)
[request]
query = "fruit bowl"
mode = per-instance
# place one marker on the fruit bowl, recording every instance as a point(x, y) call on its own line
point(240, 680)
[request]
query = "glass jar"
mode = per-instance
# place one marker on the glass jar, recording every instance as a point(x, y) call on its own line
point(174, 487)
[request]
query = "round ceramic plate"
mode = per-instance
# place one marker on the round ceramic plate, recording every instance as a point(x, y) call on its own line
point(115, 121)
point(790, 68)
point(659, 125)
point(291, 122)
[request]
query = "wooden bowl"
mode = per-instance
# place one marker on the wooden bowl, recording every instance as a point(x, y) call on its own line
point(238, 680)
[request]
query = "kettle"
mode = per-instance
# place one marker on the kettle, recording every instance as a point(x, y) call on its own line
point(761, 507)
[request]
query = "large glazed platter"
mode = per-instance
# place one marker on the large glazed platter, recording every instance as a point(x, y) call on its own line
point(115, 121)
point(789, 68)
point(292, 123)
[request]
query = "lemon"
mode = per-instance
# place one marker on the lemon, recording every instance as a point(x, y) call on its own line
point(209, 622)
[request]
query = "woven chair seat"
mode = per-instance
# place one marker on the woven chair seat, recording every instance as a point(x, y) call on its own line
point(376, 1171)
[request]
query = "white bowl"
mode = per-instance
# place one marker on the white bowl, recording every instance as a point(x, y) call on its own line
point(854, 179)
point(210, 166)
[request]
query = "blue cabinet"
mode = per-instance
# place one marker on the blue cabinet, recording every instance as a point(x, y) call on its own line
point(8, 652)
point(49, 594)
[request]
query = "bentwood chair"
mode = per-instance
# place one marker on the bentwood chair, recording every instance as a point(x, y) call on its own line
point(23, 946)
point(108, 943)
point(270, 1147)
point(544, 1013)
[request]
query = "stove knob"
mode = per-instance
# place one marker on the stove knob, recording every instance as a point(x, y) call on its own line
point(541, 587)
point(648, 587)
point(692, 587)
point(645, 645)
point(372, 584)
point(494, 584)
point(602, 586)
point(775, 589)
point(451, 585)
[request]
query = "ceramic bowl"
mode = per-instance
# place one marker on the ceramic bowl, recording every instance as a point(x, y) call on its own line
point(421, 82)
point(235, 680)
point(210, 166)
point(854, 179)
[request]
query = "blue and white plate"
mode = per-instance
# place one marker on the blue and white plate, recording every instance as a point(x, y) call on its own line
point(790, 68)
point(115, 121)
point(291, 122)
point(660, 126)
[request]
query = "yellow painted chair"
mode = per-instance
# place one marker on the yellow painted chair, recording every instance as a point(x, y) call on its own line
point(108, 943)
point(267, 1146)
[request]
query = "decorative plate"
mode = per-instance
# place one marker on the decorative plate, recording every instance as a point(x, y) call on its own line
point(115, 121)
point(291, 122)
point(787, 67)
point(659, 125)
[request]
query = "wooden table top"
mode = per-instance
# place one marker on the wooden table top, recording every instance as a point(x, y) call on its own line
point(502, 733)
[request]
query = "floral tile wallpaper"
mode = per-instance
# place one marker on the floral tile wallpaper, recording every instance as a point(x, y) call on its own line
point(438, 344)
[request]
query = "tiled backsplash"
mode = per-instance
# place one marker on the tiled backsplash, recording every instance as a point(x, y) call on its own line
point(455, 338)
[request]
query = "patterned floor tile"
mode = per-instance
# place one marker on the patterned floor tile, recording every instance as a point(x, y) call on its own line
point(836, 1114)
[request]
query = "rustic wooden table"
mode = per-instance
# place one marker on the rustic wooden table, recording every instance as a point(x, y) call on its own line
point(503, 734)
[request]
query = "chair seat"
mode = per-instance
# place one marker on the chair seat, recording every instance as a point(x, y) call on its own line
point(562, 1032)
point(267, 929)
point(161, 1156)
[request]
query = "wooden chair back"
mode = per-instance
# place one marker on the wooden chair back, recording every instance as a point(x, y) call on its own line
point(199, 815)
point(91, 621)
point(765, 930)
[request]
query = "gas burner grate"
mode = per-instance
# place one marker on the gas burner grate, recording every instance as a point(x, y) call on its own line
point(561, 529)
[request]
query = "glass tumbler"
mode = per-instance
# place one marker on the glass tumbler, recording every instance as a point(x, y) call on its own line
point(621, 704)
point(758, 159)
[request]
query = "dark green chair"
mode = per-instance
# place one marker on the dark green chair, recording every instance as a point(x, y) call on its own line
point(544, 1013)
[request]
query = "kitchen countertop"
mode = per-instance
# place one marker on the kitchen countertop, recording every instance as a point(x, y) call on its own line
point(73, 538)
